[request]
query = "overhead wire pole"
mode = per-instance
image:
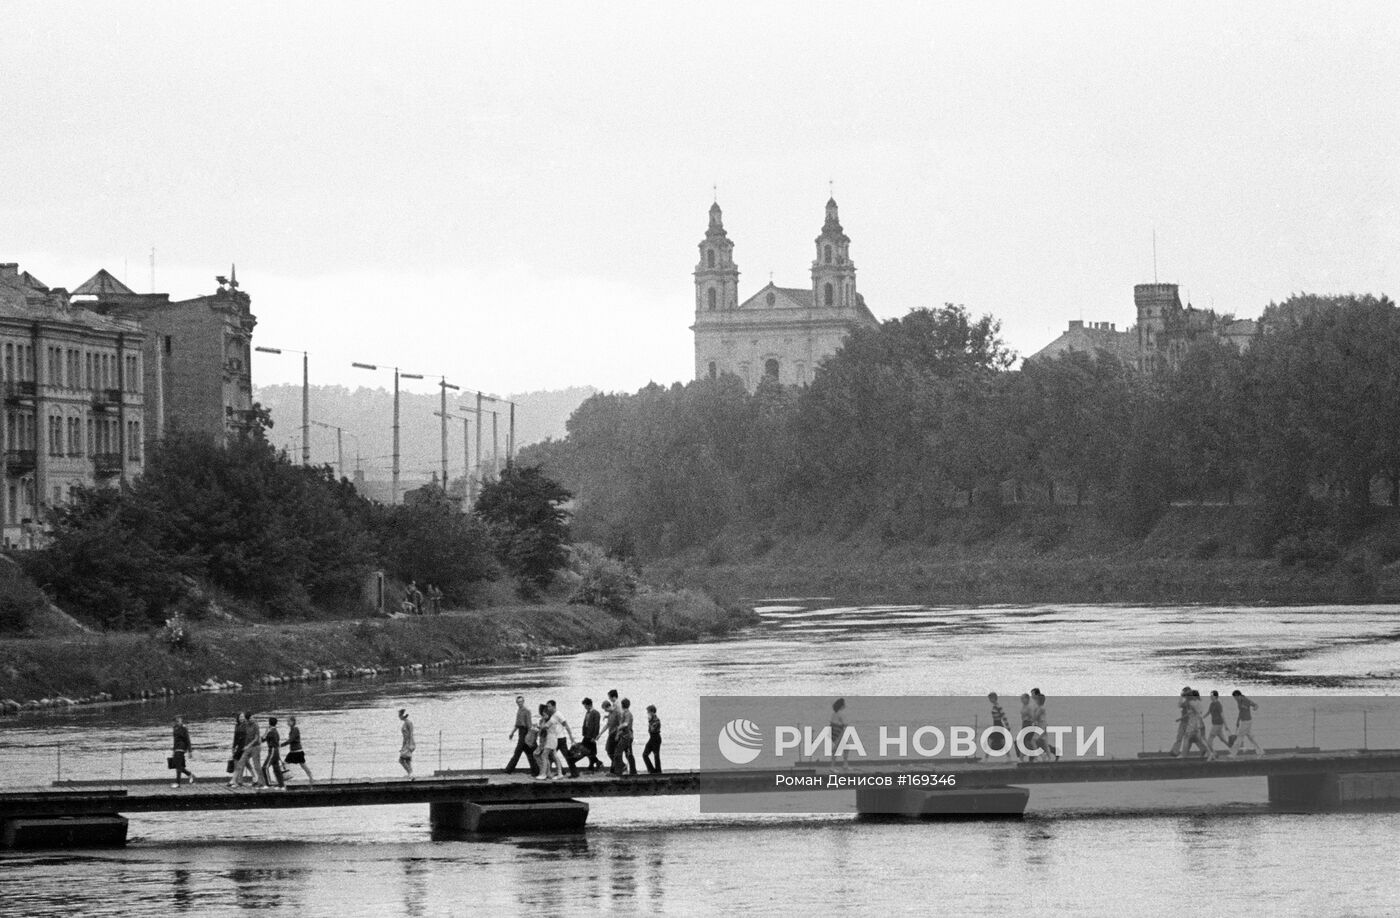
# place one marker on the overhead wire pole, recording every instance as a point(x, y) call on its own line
point(305, 397)
point(443, 414)
point(394, 492)
point(339, 446)
point(466, 450)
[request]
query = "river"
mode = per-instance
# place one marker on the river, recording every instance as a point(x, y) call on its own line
point(1198, 847)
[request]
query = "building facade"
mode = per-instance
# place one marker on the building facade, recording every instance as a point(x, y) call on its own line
point(198, 353)
point(1165, 331)
point(780, 333)
point(74, 402)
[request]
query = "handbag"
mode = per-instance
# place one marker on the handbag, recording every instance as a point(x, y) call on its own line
point(231, 766)
point(174, 763)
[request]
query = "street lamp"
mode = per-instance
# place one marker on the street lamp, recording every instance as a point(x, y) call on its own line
point(339, 446)
point(394, 493)
point(305, 399)
point(445, 385)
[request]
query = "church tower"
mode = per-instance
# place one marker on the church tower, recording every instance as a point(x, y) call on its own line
point(833, 273)
point(716, 276)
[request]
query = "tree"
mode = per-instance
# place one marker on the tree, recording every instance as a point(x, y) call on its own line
point(523, 511)
point(429, 539)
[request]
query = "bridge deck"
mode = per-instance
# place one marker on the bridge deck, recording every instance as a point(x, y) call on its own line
point(148, 796)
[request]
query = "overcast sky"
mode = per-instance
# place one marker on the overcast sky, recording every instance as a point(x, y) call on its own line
point(512, 194)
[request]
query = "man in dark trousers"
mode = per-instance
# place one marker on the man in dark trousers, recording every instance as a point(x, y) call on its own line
point(180, 750)
point(592, 726)
point(273, 763)
point(614, 715)
point(520, 733)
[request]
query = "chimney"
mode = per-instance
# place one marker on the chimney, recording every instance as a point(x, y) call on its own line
point(1075, 323)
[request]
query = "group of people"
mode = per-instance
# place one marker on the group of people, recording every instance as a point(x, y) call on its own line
point(547, 741)
point(1033, 714)
point(1191, 725)
point(419, 602)
point(246, 757)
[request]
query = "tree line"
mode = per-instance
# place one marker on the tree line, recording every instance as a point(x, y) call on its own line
point(242, 524)
point(928, 414)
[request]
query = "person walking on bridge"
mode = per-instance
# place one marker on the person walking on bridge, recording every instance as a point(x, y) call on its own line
point(651, 752)
point(236, 753)
point(1216, 712)
point(614, 718)
point(1183, 719)
point(406, 750)
point(251, 760)
point(592, 722)
point(520, 733)
point(625, 765)
point(273, 763)
point(1244, 723)
point(295, 754)
point(180, 750)
point(1042, 721)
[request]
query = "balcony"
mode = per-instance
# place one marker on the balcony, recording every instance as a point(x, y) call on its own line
point(106, 465)
point(21, 390)
point(106, 399)
point(20, 461)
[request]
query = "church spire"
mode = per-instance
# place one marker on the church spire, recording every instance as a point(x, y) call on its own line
point(833, 273)
point(716, 276)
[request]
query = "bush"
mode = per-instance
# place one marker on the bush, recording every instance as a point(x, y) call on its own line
point(1045, 532)
point(16, 614)
point(1207, 548)
point(1315, 551)
point(605, 583)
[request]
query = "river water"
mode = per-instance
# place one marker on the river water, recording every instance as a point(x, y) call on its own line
point(1198, 847)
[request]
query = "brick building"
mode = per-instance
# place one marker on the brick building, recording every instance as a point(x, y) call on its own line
point(198, 366)
point(780, 332)
point(74, 401)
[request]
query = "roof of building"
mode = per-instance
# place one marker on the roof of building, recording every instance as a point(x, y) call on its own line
point(24, 298)
point(103, 284)
point(1090, 339)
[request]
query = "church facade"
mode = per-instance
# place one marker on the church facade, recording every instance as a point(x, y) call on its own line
point(779, 333)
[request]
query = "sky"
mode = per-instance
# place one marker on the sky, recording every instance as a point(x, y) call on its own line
point(512, 194)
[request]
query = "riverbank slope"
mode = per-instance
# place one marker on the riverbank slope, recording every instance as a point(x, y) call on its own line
point(1193, 554)
point(110, 666)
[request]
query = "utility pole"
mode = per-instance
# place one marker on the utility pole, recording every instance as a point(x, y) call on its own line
point(445, 385)
point(394, 492)
point(510, 439)
point(478, 436)
point(495, 448)
point(305, 397)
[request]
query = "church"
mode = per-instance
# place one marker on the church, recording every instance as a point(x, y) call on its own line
point(779, 333)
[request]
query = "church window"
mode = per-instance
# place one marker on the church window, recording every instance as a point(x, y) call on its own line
point(710, 257)
point(714, 370)
point(770, 368)
point(829, 295)
point(826, 255)
point(771, 298)
point(711, 296)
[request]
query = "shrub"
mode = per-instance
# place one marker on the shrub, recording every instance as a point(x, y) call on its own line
point(605, 583)
point(1315, 551)
point(1207, 548)
point(1045, 532)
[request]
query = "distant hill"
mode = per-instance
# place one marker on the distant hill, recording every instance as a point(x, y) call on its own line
point(367, 418)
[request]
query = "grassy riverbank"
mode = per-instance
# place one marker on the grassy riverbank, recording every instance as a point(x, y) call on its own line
point(123, 665)
point(1192, 554)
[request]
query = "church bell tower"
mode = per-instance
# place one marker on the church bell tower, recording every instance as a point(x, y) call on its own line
point(716, 276)
point(833, 273)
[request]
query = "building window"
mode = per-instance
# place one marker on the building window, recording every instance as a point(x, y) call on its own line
point(133, 440)
point(828, 295)
point(826, 254)
point(714, 370)
point(771, 298)
point(801, 373)
point(168, 347)
point(712, 297)
point(710, 257)
point(770, 368)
